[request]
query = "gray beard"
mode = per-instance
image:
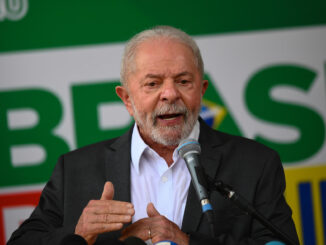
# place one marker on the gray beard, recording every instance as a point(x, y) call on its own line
point(155, 132)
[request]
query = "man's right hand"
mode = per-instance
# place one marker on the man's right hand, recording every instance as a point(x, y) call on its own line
point(103, 215)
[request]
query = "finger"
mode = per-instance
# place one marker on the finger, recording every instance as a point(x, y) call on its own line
point(138, 229)
point(162, 228)
point(141, 234)
point(109, 207)
point(89, 231)
point(99, 228)
point(109, 218)
point(108, 191)
point(151, 210)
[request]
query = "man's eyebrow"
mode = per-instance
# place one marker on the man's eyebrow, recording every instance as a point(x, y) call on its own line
point(185, 73)
point(153, 75)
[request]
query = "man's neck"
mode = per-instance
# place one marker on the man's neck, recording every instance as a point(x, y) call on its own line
point(166, 152)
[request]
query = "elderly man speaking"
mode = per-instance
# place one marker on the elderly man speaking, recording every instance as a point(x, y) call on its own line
point(137, 185)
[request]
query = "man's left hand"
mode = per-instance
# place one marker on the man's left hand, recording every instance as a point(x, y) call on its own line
point(157, 228)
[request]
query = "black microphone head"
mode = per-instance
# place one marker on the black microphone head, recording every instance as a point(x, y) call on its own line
point(134, 241)
point(188, 146)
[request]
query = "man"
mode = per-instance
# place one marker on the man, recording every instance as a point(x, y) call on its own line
point(147, 191)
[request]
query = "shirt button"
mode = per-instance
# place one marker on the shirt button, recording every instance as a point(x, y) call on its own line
point(164, 179)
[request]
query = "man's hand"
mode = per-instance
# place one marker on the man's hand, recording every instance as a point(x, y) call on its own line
point(163, 229)
point(103, 215)
point(155, 227)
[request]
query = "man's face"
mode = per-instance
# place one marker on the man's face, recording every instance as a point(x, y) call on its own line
point(164, 91)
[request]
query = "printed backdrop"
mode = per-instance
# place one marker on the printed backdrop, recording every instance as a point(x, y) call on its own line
point(60, 62)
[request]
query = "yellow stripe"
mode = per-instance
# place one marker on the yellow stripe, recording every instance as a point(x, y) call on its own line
point(220, 111)
point(313, 175)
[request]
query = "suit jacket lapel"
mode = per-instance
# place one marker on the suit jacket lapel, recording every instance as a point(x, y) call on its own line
point(118, 166)
point(210, 161)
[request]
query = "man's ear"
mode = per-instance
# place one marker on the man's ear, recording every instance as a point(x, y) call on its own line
point(204, 87)
point(124, 96)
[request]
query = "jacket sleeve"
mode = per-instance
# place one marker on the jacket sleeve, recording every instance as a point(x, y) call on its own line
point(44, 226)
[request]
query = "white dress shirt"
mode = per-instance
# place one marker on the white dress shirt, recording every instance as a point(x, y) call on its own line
point(153, 181)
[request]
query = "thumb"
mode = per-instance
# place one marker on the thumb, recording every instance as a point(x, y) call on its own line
point(151, 210)
point(108, 191)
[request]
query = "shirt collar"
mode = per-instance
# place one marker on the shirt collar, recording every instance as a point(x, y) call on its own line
point(138, 146)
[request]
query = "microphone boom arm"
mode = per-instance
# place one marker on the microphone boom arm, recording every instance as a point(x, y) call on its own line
point(228, 193)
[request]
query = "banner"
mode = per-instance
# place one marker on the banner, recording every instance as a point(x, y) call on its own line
point(58, 74)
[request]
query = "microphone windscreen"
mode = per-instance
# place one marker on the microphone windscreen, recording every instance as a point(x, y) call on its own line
point(165, 243)
point(188, 145)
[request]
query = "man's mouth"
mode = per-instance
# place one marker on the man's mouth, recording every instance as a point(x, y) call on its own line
point(168, 117)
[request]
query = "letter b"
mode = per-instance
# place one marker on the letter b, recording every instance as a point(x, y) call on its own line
point(49, 111)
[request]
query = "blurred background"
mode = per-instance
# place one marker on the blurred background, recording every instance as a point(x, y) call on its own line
point(60, 61)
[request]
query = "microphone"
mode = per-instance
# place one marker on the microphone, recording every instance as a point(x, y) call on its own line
point(166, 242)
point(189, 150)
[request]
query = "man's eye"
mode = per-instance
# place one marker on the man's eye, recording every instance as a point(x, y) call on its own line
point(151, 84)
point(184, 81)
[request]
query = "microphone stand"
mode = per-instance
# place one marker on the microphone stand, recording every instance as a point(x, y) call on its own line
point(227, 192)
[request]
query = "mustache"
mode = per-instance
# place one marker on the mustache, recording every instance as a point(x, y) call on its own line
point(170, 109)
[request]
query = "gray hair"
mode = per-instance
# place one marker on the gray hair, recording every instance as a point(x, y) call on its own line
point(156, 32)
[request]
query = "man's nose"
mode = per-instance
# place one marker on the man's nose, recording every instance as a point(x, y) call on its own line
point(170, 91)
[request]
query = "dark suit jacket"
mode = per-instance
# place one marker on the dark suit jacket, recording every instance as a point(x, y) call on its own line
point(252, 169)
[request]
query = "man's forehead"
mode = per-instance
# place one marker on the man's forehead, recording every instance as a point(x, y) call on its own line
point(165, 69)
point(165, 54)
point(162, 57)
point(160, 45)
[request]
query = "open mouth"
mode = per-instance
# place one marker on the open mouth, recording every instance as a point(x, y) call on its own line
point(170, 116)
